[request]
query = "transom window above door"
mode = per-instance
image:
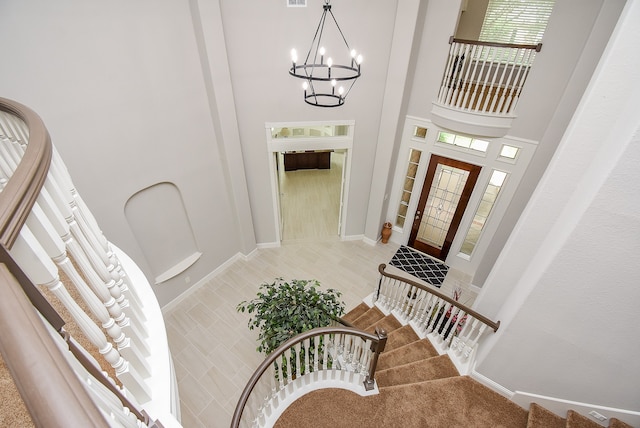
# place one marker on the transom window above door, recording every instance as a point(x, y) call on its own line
point(322, 131)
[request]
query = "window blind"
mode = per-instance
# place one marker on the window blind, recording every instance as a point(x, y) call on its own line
point(516, 21)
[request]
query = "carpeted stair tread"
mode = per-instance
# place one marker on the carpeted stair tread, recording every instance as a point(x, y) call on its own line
point(400, 337)
point(539, 417)
point(460, 401)
point(368, 318)
point(617, 423)
point(418, 371)
point(388, 324)
point(354, 313)
point(452, 402)
point(576, 420)
point(406, 354)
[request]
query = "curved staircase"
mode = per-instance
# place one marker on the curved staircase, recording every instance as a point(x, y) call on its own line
point(419, 388)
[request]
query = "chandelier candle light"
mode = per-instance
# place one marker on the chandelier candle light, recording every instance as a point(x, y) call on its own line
point(320, 76)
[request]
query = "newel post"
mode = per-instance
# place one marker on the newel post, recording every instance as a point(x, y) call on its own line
point(376, 348)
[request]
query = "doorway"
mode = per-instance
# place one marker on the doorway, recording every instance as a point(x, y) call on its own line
point(306, 189)
point(445, 194)
point(310, 195)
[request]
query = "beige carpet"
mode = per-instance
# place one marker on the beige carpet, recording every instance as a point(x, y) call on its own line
point(453, 402)
point(419, 388)
point(13, 412)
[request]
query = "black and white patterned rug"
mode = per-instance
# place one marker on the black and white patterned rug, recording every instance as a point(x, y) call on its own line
point(420, 265)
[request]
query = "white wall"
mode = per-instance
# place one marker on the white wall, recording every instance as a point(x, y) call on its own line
point(259, 37)
point(570, 269)
point(575, 37)
point(121, 89)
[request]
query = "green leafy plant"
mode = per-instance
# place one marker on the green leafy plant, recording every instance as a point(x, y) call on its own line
point(284, 309)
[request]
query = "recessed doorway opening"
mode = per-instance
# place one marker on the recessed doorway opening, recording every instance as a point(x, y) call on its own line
point(310, 196)
point(310, 166)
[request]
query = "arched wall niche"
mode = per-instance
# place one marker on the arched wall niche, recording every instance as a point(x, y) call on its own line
point(160, 224)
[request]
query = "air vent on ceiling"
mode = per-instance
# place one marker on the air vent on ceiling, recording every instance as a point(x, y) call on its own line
point(296, 3)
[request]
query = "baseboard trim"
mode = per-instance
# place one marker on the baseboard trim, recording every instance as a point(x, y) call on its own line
point(274, 244)
point(369, 241)
point(560, 407)
point(492, 385)
point(203, 281)
point(475, 288)
point(249, 256)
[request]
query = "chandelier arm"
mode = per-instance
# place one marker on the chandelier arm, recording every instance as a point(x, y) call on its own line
point(348, 90)
point(315, 36)
point(313, 91)
point(339, 29)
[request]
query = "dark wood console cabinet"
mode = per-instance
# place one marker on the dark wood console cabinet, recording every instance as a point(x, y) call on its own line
point(320, 159)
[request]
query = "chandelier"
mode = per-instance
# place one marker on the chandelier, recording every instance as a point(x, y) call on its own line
point(322, 76)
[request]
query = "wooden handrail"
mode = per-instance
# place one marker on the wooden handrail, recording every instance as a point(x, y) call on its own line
point(22, 190)
point(277, 353)
point(537, 47)
point(50, 389)
point(52, 392)
point(493, 324)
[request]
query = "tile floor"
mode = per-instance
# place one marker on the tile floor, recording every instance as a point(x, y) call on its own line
point(213, 349)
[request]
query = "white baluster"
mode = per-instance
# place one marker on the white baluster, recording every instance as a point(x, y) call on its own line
point(442, 93)
point(105, 399)
point(306, 366)
point(477, 76)
point(470, 76)
point(458, 83)
point(289, 361)
point(526, 68)
point(427, 315)
point(42, 230)
point(33, 260)
point(59, 224)
point(383, 291)
point(326, 342)
point(507, 84)
point(62, 204)
point(317, 343)
point(503, 64)
point(493, 71)
point(299, 362)
point(90, 228)
point(455, 60)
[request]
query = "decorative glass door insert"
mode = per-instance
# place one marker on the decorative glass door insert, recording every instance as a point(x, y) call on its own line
point(445, 194)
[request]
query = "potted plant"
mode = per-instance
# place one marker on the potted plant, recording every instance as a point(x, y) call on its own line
point(283, 309)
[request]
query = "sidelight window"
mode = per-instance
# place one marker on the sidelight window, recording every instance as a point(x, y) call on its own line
point(482, 213)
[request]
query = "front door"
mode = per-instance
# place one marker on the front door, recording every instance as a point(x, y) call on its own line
point(445, 195)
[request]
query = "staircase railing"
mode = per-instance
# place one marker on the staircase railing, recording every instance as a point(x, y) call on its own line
point(450, 324)
point(319, 358)
point(485, 77)
point(41, 218)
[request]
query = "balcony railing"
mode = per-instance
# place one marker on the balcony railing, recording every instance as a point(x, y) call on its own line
point(51, 245)
point(481, 86)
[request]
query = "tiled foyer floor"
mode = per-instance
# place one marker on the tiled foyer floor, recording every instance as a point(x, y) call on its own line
point(214, 350)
